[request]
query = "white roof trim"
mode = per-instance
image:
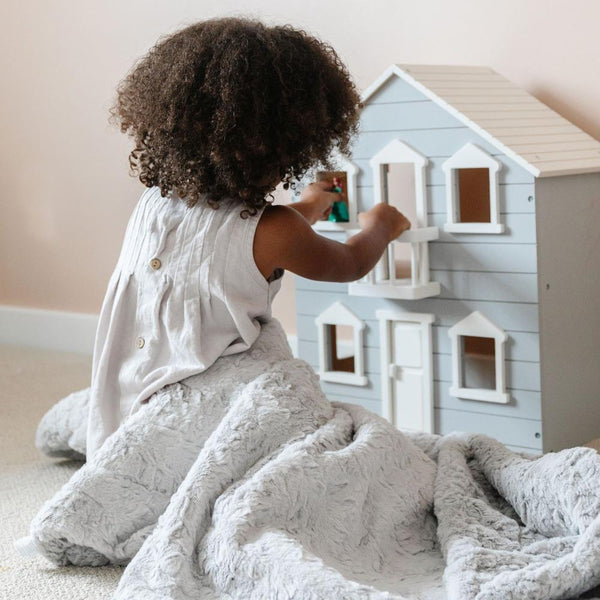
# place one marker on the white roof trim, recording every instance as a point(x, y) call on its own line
point(478, 325)
point(471, 155)
point(339, 314)
point(398, 151)
point(590, 165)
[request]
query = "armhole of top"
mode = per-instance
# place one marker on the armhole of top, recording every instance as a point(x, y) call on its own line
point(251, 227)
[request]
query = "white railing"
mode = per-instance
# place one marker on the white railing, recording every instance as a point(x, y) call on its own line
point(385, 270)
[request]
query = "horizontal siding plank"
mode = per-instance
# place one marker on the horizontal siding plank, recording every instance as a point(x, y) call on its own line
point(372, 405)
point(519, 229)
point(520, 346)
point(519, 375)
point(430, 142)
point(499, 287)
point(499, 258)
point(515, 198)
point(466, 285)
point(510, 316)
point(368, 393)
point(415, 115)
point(524, 404)
point(518, 432)
point(302, 283)
point(396, 90)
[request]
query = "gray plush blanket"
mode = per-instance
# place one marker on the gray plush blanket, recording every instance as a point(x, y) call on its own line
point(245, 482)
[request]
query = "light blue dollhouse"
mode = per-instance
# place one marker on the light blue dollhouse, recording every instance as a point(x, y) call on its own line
point(485, 316)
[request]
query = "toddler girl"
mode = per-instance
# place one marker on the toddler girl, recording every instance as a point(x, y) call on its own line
point(220, 113)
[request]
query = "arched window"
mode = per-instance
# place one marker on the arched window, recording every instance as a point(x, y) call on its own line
point(478, 366)
point(472, 191)
point(341, 347)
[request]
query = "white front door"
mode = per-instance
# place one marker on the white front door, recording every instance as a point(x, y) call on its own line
point(407, 369)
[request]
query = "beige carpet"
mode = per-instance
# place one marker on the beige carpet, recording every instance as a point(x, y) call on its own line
point(31, 380)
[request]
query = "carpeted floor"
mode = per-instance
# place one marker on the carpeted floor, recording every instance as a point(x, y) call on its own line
point(31, 381)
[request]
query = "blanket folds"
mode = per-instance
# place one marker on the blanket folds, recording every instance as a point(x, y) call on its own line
point(245, 482)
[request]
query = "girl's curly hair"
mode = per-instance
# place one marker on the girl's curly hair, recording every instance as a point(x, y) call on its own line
point(231, 107)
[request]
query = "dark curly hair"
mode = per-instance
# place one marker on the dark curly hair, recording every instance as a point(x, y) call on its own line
point(231, 107)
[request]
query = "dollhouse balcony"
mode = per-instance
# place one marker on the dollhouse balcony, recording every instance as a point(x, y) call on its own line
point(393, 277)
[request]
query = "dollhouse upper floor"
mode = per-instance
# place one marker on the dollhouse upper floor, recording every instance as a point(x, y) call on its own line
point(458, 150)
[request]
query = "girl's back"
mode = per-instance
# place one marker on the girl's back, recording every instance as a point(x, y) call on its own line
point(220, 113)
point(185, 291)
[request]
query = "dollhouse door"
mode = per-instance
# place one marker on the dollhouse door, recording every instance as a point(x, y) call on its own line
point(408, 376)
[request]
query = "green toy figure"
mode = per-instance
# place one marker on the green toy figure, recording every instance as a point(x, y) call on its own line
point(339, 209)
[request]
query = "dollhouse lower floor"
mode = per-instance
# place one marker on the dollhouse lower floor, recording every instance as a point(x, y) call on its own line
point(436, 365)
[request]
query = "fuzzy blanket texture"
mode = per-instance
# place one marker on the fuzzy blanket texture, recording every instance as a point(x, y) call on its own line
point(245, 482)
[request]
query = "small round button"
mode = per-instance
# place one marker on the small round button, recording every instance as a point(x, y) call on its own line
point(140, 342)
point(155, 263)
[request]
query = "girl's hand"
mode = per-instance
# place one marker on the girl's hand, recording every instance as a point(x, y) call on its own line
point(318, 199)
point(386, 218)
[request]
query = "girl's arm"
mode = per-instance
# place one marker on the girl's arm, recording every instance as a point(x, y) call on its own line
point(285, 239)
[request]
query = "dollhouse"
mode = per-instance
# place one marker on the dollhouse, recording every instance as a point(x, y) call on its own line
point(485, 315)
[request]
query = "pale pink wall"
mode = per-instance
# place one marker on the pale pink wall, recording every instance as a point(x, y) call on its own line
point(65, 193)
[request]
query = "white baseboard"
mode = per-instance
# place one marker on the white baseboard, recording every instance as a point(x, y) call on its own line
point(48, 329)
point(58, 330)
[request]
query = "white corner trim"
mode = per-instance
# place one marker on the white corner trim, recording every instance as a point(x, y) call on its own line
point(48, 329)
point(293, 342)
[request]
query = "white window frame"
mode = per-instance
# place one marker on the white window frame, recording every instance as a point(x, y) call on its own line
point(381, 281)
point(478, 325)
point(471, 156)
point(398, 151)
point(339, 314)
point(388, 369)
point(341, 163)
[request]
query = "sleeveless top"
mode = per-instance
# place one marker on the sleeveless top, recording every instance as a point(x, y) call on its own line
point(185, 291)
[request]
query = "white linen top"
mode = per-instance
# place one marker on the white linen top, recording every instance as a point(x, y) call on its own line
point(185, 291)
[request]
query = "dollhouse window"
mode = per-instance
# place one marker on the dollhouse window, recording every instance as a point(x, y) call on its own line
point(399, 179)
point(472, 192)
point(341, 346)
point(478, 366)
point(343, 178)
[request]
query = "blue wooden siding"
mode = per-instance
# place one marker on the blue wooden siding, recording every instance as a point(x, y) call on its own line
point(496, 274)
